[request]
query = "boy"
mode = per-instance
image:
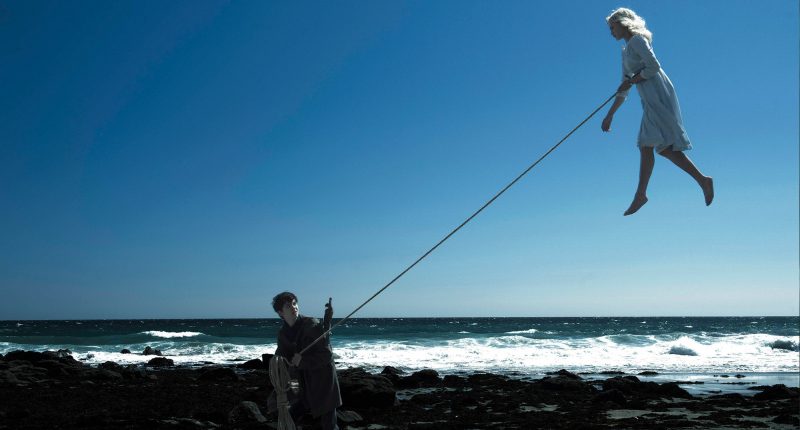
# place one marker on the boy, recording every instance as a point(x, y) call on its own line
point(319, 386)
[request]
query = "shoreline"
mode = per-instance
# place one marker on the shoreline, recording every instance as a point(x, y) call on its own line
point(52, 389)
point(698, 383)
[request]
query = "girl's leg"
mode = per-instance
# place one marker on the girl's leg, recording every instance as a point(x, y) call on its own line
point(681, 160)
point(646, 163)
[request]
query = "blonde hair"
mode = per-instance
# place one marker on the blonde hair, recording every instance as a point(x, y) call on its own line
point(634, 23)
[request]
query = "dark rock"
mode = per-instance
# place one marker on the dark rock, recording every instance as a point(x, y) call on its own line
point(102, 375)
point(777, 392)
point(739, 376)
point(29, 356)
point(392, 374)
point(125, 351)
point(729, 398)
point(671, 389)
point(35, 356)
point(19, 413)
point(26, 372)
point(454, 381)
point(631, 385)
point(648, 373)
point(184, 424)
point(60, 369)
point(612, 372)
point(787, 419)
point(424, 378)
point(217, 374)
point(132, 371)
point(348, 416)
point(485, 401)
point(8, 377)
point(759, 387)
point(151, 351)
point(625, 384)
point(612, 396)
point(129, 372)
point(389, 370)
point(245, 413)
point(563, 383)
point(565, 373)
point(682, 350)
point(360, 389)
point(112, 366)
point(63, 355)
point(160, 362)
point(254, 364)
point(212, 416)
point(487, 380)
point(786, 345)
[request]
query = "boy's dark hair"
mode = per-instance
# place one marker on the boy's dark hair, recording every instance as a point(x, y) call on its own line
point(281, 299)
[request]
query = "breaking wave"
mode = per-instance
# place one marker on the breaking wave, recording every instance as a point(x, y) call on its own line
point(172, 334)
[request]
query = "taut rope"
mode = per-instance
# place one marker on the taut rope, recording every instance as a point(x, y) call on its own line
point(462, 224)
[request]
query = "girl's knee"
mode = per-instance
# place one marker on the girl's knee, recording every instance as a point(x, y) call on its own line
point(666, 152)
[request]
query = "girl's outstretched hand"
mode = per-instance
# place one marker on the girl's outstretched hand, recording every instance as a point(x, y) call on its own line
point(606, 125)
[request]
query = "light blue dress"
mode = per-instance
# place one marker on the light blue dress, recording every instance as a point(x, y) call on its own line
point(662, 125)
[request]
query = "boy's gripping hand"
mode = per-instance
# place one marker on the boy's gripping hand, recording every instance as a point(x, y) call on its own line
point(328, 313)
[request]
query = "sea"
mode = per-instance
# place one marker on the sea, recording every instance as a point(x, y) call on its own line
point(727, 352)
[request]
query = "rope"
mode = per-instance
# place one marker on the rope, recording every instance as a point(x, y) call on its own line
point(279, 375)
point(462, 224)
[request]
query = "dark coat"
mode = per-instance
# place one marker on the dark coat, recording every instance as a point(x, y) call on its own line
point(319, 386)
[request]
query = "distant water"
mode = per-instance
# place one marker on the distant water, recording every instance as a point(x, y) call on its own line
point(528, 346)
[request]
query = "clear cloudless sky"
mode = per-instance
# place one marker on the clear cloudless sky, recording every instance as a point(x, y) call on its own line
point(191, 159)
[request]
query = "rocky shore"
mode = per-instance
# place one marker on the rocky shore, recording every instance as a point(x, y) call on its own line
point(53, 390)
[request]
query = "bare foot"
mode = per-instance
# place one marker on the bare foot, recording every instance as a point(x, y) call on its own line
point(708, 189)
point(638, 201)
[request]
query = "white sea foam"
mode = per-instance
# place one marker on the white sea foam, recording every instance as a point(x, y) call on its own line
point(743, 353)
point(171, 334)
point(504, 353)
point(529, 331)
point(180, 354)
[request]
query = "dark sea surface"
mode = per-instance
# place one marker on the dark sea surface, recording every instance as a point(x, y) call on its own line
point(512, 346)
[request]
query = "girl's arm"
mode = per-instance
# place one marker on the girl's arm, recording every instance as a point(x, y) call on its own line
point(618, 101)
point(642, 48)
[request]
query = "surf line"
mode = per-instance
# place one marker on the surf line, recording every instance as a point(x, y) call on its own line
point(485, 205)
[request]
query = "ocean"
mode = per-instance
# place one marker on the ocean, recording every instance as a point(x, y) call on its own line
point(684, 347)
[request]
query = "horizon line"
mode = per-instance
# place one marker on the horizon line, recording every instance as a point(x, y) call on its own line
point(401, 317)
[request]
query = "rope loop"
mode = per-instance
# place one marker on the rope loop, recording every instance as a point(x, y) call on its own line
point(279, 375)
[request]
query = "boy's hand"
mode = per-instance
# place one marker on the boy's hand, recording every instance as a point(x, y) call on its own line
point(296, 360)
point(328, 312)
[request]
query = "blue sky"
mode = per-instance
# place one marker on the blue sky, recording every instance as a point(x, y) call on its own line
point(191, 159)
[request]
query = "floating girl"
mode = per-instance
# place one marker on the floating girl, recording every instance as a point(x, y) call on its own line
point(662, 127)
